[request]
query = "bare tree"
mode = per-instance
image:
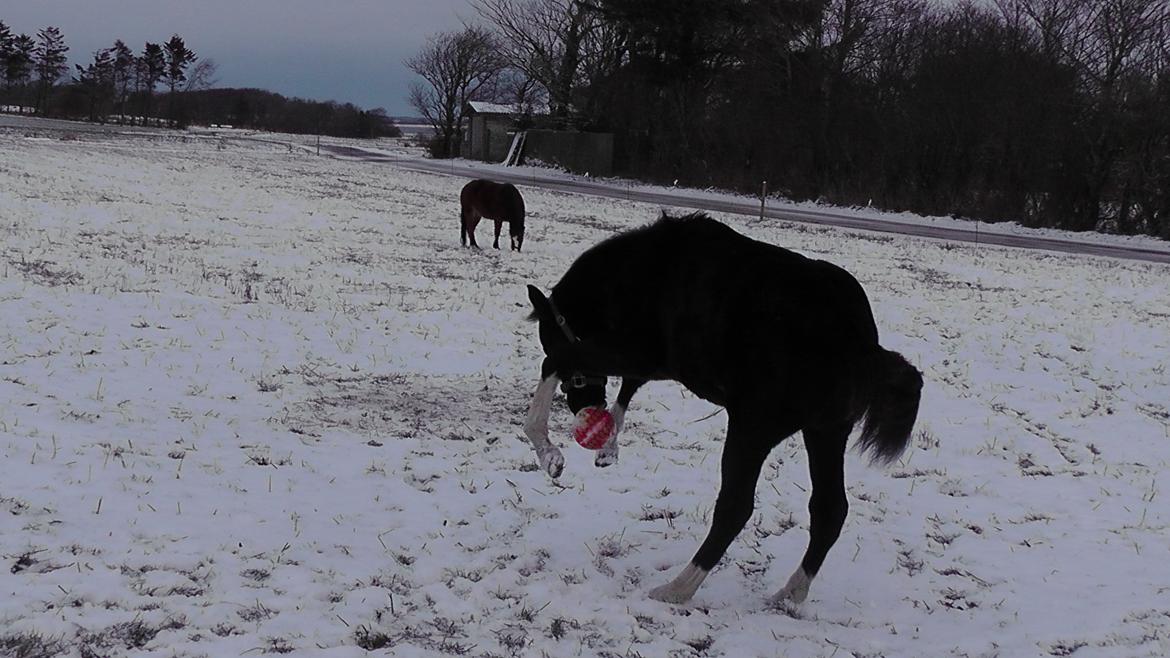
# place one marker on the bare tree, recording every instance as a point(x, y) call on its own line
point(1099, 38)
point(456, 67)
point(545, 39)
point(201, 76)
point(515, 87)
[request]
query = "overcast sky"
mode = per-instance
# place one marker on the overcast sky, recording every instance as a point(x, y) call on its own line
point(343, 50)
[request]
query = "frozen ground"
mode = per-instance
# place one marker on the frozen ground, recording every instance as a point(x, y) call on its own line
point(259, 401)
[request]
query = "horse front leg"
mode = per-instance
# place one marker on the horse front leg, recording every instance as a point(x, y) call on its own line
point(608, 454)
point(536, 427)
point(499, 224)
point(470, 221)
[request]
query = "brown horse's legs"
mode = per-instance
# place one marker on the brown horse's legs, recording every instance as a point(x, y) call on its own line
point(470, 221)
point(499, 223)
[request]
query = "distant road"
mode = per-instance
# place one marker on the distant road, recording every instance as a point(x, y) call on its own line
point(674, 198)
point(686, 199)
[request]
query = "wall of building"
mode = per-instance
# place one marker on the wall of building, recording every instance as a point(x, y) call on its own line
point(487, 139)
point(578, 152)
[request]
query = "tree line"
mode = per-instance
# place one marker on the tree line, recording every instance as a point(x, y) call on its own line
point(116, 83)
point(1054, 113)
point(164, 84)
point(264, 110)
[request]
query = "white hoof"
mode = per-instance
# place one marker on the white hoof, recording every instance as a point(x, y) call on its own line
point(553, 462)
point(796, 591)
point(682, 588)
point(668, 593)
point(608, 455)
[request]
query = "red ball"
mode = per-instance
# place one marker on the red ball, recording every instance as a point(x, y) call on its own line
point(593, 428)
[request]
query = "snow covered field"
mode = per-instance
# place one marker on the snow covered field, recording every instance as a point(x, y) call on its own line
point(253, 400)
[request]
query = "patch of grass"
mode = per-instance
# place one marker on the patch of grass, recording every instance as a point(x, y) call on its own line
point(257, 612)
point(30, 645)
point(224, 629)
point(650, 513)
point(560, 627)
point(278, 645)
point(134, 634)
point(1066, 648)
point(258, 575)
point(371, 640)
point(608, 547)
point(513, 639)
point(909, 562)
point(529, 614)
point(23, 562)
point(701, 644)
point(46, 273)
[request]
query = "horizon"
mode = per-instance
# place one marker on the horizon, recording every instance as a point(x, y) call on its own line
point(348, 52)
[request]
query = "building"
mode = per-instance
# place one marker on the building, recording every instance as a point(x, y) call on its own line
point(507, 134)
point(488, 130)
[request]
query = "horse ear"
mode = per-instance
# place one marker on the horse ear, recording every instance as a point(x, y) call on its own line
point(540, 306)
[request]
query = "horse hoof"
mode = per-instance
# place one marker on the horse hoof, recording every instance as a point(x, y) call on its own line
point(553, 463)
point(606, 457)
point(669, 594)
point(793, 593)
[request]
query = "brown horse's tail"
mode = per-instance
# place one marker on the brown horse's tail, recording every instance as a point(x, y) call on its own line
point(462, 228)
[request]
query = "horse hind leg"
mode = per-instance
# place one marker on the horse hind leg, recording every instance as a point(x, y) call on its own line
point(608, 455)
point(827, 507)
point(749, 440)
point(496, 244)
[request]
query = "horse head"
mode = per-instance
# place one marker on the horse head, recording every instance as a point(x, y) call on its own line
point(566, 356)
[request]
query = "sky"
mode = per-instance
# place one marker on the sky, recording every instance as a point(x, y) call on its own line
point(343, 50)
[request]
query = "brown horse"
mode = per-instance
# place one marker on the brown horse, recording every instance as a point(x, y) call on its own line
point(500, 202)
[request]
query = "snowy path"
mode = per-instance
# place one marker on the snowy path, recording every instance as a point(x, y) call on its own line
point(257, 401)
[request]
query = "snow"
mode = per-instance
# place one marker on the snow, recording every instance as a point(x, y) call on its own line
point(690, 198)
point(258, 401)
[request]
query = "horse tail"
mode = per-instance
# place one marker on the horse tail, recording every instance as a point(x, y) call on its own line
point(462, 228)
point(894, 390)
point(516, 205)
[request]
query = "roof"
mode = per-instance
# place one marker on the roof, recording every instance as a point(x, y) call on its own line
point(482, 107)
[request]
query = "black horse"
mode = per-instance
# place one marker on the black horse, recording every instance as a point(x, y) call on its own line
point(500, 202)
point(783, 342)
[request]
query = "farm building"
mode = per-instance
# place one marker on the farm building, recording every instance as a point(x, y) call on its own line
point(494, 132)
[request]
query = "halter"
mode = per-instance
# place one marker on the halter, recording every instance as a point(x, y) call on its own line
point(577, 379)
point(562, 322)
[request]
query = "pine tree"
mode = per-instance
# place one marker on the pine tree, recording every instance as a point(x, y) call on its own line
point(123, 76)
point(18, 66)
point(6, 39)
point(178, 58)
point(50, 64)
point(149, 70)
point(97, 83)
